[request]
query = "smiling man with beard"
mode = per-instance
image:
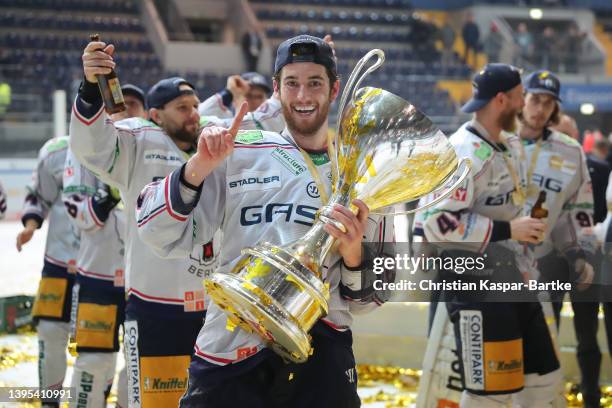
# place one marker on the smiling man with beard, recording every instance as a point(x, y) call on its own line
point(232, 367)
point(165, 299)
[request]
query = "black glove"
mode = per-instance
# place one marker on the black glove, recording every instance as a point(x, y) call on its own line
point(104, 201)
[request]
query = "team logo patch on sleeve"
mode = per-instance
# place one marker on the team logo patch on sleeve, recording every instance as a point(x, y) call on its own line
point(253, 181)
point(249, 136)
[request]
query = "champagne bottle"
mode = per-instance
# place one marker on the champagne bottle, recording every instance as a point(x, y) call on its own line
point(538, 210)
point(110, 88)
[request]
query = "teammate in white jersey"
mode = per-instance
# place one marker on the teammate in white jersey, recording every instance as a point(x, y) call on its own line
point(166, 303)
point(259, 186)
point(263, 114)
point(99, 292)
point(53, 301)
point(559, 167)
point(505, 349)
point(251, 87)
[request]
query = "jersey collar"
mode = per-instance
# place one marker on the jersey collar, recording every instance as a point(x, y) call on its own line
point(477, 129)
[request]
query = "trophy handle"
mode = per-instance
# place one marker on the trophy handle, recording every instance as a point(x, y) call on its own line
point(351, 87)
point(467, 163)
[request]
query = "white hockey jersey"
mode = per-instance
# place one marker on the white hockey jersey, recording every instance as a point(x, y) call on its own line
point(44, 201)
point(560, 169)
point(467, 217)
point(262, 192)
point(128, 155)
point(101, 255)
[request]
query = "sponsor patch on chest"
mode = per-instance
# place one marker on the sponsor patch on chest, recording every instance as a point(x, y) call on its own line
point(288, 161)
point(253, 181)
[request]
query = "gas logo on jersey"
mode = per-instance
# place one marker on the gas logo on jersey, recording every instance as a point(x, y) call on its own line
point(499, 199)
point(257, 214)
point(547, 183)
point(540, 181)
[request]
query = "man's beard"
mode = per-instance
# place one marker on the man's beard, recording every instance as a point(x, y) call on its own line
point(306, 129)
point(507, 121)
point(181, 134)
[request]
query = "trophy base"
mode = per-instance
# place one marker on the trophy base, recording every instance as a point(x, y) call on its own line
point(259, 313)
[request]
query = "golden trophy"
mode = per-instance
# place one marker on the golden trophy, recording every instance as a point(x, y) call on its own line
point(386, 152)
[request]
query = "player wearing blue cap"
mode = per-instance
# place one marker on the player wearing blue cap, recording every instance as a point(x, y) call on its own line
point(264, 110)
point(135, 103)
point(558, 166)
point(233, 368)
point(165, 298)
point(250, 86)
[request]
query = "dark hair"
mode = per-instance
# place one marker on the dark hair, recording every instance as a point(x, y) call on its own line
point(330, 74)
point(555, 116)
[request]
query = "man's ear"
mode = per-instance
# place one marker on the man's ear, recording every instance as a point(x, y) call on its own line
point(499, 99)
point(335, 90)
point(154, 115)
point(276, 87)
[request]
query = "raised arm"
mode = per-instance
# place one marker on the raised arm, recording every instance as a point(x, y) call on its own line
point(107, 150)
point(169, 218)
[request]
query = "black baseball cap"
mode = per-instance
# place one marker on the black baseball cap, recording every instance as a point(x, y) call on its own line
point(491, 80)
point(166, 90)
point(256, 79)
point(543, 82)
point(305, 48)
point(129, 89)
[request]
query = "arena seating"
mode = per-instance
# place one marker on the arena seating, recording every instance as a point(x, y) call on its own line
point(40, 48)
point(412, 63)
